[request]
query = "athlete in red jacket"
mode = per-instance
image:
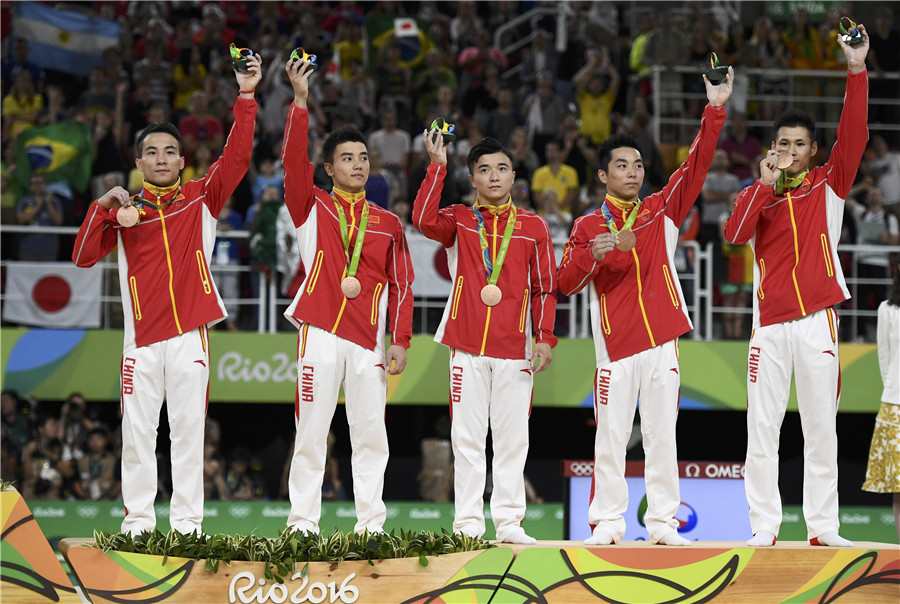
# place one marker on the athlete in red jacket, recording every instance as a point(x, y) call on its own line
point(792, 219)
point(168, 302)
point(504, 285)
point(358, 277)
point(637, 313)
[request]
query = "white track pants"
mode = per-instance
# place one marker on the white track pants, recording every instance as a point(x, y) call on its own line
point(808, 348)
point(497, 392)
point(176, 369)
point(652, 375)
point(324, 362)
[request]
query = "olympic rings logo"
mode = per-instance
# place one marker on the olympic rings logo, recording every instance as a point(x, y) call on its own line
point(581, 468)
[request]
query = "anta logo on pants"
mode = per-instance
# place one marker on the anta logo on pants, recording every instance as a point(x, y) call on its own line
point(456, 384)
point(753, 364)
point(128, 376)
point(306, 383)
point(603, 377)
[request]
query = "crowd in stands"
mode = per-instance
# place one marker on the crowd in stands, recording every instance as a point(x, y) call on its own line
point(551, 102)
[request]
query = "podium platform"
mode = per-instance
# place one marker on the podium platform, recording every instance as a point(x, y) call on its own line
point(547, 572)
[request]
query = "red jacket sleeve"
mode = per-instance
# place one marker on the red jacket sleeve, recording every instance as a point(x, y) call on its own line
point(96, 237)
point(741, 225)
point(686, 182)
point(299, 190)
point(226, 173)
point(437, 225)
point(578, 266)
point(852, 135)
point(400, 295)
point(543, 288)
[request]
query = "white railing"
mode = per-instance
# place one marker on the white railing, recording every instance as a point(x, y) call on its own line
point(697, 284)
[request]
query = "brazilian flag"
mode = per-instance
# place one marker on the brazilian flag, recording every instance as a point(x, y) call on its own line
point(60, 151)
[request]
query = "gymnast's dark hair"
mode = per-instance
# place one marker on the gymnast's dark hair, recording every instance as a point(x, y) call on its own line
point(793, 118)
point(486, 146)
point(604, 151)
point(344, 134)
point(158, 128)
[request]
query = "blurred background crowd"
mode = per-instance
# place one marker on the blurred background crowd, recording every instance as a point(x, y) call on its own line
point(551, 80)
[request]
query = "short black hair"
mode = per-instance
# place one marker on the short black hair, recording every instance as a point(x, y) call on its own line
point(486, 146)
point(344, 134)
point(616, 141)
point(793, 118)
point(158, 128)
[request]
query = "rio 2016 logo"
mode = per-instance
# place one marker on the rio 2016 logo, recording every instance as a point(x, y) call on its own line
point(686, 516)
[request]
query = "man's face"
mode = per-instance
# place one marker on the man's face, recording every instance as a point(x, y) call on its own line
point(160, 161)
point(350, 167)
point(552, 152)
point(624, 174)
point(795, 140)
point(493, 177)
point(37, 186)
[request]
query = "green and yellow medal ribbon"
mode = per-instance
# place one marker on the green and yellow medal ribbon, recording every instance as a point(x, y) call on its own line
point(629, 219)
point(784, 184)
point(352, 261)
point(492, 268)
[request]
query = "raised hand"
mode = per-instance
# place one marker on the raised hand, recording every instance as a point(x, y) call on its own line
point(115, 198)
point(249, 80)
point(435, 147)
point(856, 55)
point(768, 168)
point(719, 95)
point(298, 73)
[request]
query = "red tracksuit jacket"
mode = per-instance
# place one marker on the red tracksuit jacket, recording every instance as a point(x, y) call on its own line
point(636, 301)
point(794, 237)
point(385, 269)
point(164, 260)
point(527, 280)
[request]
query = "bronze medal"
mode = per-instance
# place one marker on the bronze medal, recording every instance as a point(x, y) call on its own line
point(627, 241)
point(351, 287)
point(491, 295)
point(128, 216)
point(785, 160)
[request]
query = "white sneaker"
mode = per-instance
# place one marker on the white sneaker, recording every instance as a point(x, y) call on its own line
point(674, 538)
point(762, 539)
point(600, 537)
point(831, 539)
point(518, 536)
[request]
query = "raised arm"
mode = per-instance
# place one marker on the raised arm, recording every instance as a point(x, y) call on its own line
point(436, 225)
point(226, 173)
point(852, 131)
point(686, 182)
point(299, 190)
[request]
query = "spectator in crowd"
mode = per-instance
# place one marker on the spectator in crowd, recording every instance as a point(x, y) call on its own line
point(738, 284)
point(883, 57)
point(8, 197)
point(348, 46)
point(539, 56)
point(56, 109)
point(15, 427)
point(267, 176)
point(108, 143)
point(465, 25)
point(596, 87)
point(157, 32)
point(744, 150)
point(555, 182)
point(200, 163)
point(394, 81)
point(446, 106)
point(214, 487)
point(393, 143)
point(885, 169)
point(428, 82)
point(503, 119)
point(227, 253)
point(543, 110)
point(44, 475)
point(73, 427)
point(804, 48)
point(213, 35)
point(360, 92)
point(99, 96)
point(155, 72)
point(874, 226)
point(480, 98)
point(199, 125)
point(97, 469)
point(137, 110)
point(667, 46)
point(525, 160)
point(240, 482)
point(473, 59)
point(18, 61)
point(188, 75)
point(720, 184)
point(21, 107)
point(382, 188)
point(770, 53)
point(41, 208)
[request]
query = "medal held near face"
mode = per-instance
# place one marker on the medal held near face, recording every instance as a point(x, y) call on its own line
point(625, 237)
point(350, 285)
point(490, 293)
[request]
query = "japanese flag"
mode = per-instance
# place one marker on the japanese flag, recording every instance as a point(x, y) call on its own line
point(405, 27)
point(52, 294)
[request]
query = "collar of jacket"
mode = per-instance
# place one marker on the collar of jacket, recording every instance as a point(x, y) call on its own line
point(495, 210)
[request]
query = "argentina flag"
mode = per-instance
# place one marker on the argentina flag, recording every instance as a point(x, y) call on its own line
point(63, 40)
